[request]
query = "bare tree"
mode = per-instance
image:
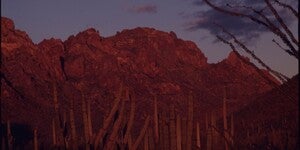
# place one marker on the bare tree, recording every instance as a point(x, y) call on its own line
point(276, 25)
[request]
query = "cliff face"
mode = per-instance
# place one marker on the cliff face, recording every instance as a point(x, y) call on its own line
point(148, 61)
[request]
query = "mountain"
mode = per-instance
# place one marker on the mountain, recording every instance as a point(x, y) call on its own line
point(146, 61)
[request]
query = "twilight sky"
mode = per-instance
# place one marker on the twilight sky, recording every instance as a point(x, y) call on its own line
point(189, 19)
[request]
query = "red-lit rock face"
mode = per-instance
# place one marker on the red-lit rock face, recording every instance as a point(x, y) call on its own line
point(148, 61)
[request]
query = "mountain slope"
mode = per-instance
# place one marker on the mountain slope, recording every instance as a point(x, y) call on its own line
point(149, 62)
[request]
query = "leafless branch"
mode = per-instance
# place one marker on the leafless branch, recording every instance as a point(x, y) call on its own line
point(287, 50)
point(271, 82)
point(247, 7)
point(288, 7)
point(283, 25)
point(267, 24)
point(268, 80)
point(272, 25)
point(232, 13)
point(282, 77)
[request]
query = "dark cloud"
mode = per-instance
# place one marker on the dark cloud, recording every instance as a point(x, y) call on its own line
point(148, 8)
point(243, 28)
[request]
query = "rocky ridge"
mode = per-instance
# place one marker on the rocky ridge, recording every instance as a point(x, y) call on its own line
point(147, 61)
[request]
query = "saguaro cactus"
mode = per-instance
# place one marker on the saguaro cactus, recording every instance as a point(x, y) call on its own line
point(65, 130)
point(166, 135)
point(155, 118)
point(131, 117)
point(208, 132)
point(232, 129)
point(146, 140)
point(214, 134)
point(152, 144)
point(72, 126)
point(184, 132)
point(9, 136)
point(115, 129)
point(225, 120)
point(198, 144)
point(178, 132)
point(89, 119)
point(108, 120)
point(172, 128)
point(58, 129)
point(54, 133)
point(55, 99)
point(35, 139)
point(161, 133)
point(85, 121)
point(142, 134)
point(190, 122)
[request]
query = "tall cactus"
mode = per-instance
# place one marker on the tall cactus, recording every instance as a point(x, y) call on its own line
point(111, 142)
point(198, 144)
point(225, 120)
point(65, 130)
point(232, 129)
point(161, 133)
point(58, 129)
point(178, 132)
point(152, 144)
point(208, 132)
point(9, 136)
point(108, 120)
point(146, 140)
point(155, 118)
point(214, 134)
point(89, 119)
point(190, 122)
point(166, 135)
point(142, 134)
point(172, 127)
point(131, 117)
point(85, 121)
point(55, 99)
point(54, 142)
point(72, 126)
point(35, 139)
point(184, 132)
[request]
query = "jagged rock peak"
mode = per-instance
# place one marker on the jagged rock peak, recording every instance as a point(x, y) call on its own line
point(89, 31)
point(51, 41)
point(7, 23)
point(145, 31)
point(234, 58)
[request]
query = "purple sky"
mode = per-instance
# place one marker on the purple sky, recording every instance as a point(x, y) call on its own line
point(188, 19)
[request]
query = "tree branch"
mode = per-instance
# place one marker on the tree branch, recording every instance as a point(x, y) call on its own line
point(268, 80)
point(283, 25)
point(282, 77)
point(271, 82)
point(286, 50)
point(288, 7)
point(276, 30)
